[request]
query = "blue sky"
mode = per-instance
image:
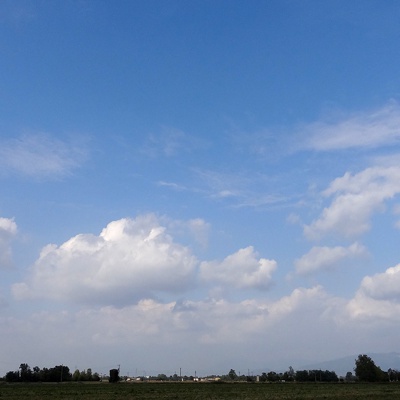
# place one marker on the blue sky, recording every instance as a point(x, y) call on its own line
point(202, 185)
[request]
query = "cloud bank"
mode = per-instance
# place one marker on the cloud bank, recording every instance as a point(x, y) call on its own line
point(120, 275)
point(254, 329)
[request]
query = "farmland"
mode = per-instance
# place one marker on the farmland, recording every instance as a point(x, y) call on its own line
point(197, 391)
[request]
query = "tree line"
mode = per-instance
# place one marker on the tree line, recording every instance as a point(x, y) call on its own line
point(288, 376)
point(365, 371)
point(59, 373)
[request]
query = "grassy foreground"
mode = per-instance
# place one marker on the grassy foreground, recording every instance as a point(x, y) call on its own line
point(197, 391)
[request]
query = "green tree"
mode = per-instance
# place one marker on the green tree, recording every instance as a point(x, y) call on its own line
point(76, 375)
point(36, 373)
point(232, 374)
point(272, 376)
point(263, 377)
point(25, 373)
point(60, 373)
point(89, 375)
point(12, 376)
point(302, 376)
point(349, 377)
point(289, 375)
point(96, 377)
point(367, 371)
point(175, 377)
point(82, 375)
point(393, 375)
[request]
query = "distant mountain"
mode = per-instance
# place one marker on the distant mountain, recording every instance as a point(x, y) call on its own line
point(342, 365)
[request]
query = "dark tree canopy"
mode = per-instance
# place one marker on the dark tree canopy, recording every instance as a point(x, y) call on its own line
point(232, 374)
point(367, 371)
point(316, 376)
point(59, 373)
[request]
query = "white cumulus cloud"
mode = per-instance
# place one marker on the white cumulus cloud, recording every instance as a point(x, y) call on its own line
point(355, 198)
point(383, 286)
point(373, 311)
point(378, 298)
point(130, 259)
point(242, 269)
point(8, 230)
point(323, 257)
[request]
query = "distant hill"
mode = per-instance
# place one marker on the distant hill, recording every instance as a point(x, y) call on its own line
point(345, 364)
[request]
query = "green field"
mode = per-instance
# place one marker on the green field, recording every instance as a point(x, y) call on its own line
point(197, 391)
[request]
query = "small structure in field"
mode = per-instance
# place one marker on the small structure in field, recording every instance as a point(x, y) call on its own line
point(114, 376)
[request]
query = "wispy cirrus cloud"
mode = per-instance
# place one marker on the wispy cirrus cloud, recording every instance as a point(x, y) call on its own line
point(40, 156)
point(242, 189)
point(372, 129)
point(172, 185)
point(170, 142)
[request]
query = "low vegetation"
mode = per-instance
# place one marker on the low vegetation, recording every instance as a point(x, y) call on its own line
point(199, 391)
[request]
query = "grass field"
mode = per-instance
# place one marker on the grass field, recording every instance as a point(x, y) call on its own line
point(197, 391)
